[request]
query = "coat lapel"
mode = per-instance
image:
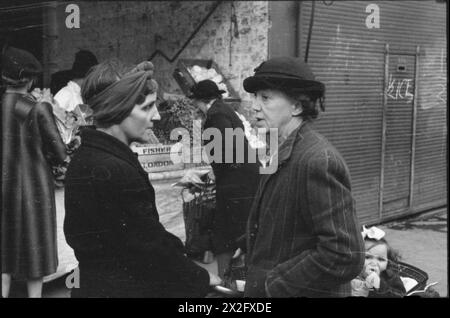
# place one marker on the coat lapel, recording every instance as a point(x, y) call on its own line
point(284, 154)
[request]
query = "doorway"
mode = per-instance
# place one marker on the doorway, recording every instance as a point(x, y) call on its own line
point(398, 134)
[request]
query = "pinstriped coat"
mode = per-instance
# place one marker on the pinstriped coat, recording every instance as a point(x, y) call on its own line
point(303, 234)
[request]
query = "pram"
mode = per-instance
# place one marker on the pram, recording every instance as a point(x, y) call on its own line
point(414, 279)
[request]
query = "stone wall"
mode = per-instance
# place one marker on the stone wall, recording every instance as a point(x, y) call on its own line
point(132, 31)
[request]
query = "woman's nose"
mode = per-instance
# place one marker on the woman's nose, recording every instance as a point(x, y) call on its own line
point(255, 105)
point(157, 116)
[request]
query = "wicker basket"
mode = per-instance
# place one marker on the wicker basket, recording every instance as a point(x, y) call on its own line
point(198, 218)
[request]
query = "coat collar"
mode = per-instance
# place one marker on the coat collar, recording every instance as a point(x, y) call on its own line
point(217, 104)
point(285, 150)
point(23, 105)
point(90, 137)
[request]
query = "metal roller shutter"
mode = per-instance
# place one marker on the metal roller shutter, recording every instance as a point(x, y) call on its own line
point(430, 167)
point(349, 58)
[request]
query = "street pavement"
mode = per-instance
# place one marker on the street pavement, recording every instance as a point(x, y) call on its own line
point(421, 241)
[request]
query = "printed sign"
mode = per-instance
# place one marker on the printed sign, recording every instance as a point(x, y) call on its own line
point(156, 158)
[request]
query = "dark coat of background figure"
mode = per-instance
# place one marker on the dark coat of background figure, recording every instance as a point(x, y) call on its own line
point(305, 256)
point(236, 183)
point(11, 220)
point(59, 80)
point(112, 224)
point(29, 244)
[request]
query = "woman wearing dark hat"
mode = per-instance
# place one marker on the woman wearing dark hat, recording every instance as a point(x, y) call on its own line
point(303, 234)
point(31, 143)
point(84, 60)
point(236, 181)
point(112, 222)
point(69, 96)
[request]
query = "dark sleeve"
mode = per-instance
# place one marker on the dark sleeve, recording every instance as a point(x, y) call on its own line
point(338, 255)
point(145, 239)
point(59, 80)
point(54, 147)
point(220, 122)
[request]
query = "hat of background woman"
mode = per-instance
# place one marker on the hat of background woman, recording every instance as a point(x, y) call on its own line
point(18, 65)
point(84, 60)
point(205, 89)
point(284, 72)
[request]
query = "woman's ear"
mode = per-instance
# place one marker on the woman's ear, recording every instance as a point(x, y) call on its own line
point(297, 109)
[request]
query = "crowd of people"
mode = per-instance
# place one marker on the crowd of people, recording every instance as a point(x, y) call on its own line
point(297, 226)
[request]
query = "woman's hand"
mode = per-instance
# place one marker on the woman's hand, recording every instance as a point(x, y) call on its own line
point(194, 176)
point(237, 253)
point(214, 280)
point(211, 176)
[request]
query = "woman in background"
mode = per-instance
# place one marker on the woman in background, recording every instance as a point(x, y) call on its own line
point(31, 144)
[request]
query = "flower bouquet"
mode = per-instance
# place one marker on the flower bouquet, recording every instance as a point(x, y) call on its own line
point(255, 140)
point(200, 73)
point(68, 124)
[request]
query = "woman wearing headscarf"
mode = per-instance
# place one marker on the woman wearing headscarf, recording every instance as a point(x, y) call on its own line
point(31, 144)
point(112, 222)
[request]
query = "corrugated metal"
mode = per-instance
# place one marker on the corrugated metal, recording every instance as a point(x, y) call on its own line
point(349, 58)
point(430, 184)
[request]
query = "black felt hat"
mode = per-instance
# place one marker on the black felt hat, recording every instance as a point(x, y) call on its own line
point(205, 89)
point(84, 60)
point(284, 72)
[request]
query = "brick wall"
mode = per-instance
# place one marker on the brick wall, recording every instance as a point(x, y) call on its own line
point(132, 31)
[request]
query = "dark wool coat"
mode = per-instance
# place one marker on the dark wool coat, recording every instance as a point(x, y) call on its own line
point(29, 214)
point(303, 234)
point(113, 226)
point(11, 185)
point(235, 182)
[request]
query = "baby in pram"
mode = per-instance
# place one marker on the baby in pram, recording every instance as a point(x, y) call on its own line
point(382, 276)
point(379, 277)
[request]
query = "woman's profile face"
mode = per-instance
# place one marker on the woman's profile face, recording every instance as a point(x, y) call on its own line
point(136, 126)
point(272, 109)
